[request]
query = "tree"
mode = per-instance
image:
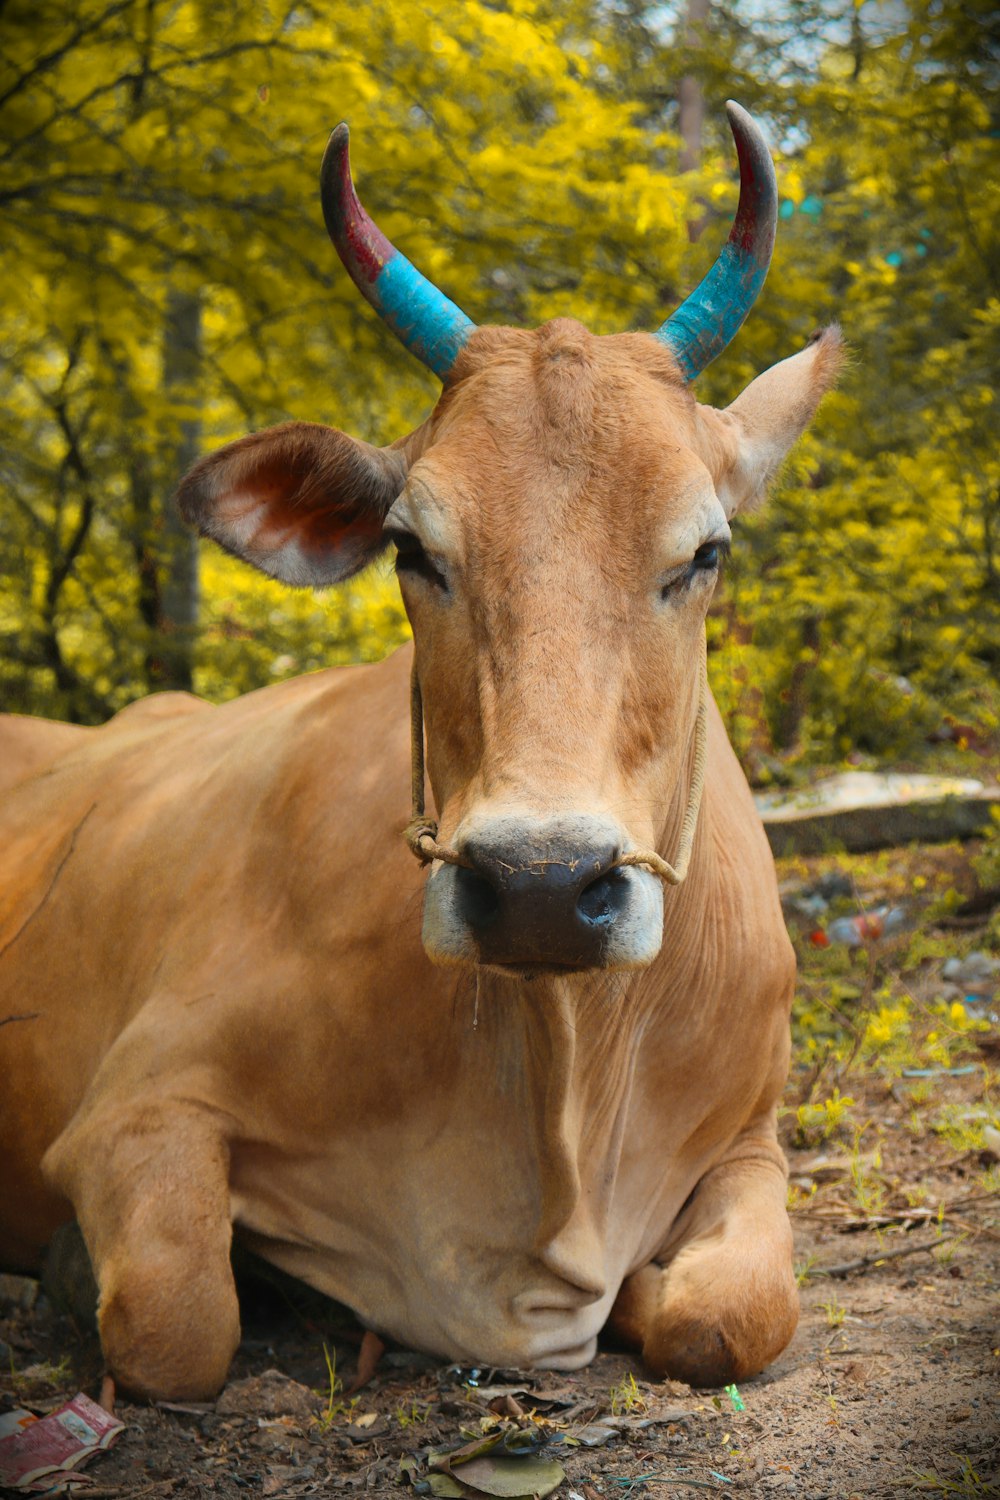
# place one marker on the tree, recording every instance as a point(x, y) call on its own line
point(883, 616)
point(169, 283)
point(169, 274)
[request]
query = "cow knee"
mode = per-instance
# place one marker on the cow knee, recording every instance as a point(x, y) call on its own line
point(725, 1303)
point(166, 1337)
point(154, 1209)
point(720, 1316)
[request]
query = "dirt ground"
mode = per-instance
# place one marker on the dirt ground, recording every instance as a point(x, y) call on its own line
point(890, 1387)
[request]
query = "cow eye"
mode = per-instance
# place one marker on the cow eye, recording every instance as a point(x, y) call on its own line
point(706, 559)
point(708, 555)
point(411, 557)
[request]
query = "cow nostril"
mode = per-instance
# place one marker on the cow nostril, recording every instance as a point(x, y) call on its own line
point(478, 901)
point(602, 902)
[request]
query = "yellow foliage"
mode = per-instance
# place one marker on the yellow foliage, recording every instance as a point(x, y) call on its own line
point(885, 1025)
point(525, 156)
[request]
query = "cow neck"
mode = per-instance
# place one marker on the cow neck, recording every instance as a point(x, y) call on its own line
point(582, 1107)
point(571, 1046)
point(421, 833)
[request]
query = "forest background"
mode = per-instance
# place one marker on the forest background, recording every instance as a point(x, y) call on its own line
point(167, 285)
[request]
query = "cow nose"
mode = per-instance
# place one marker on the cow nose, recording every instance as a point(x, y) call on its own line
point(543, 894)
point(552, 896)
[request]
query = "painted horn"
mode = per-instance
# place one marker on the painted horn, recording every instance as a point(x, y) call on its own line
point(713, 314)
point(420, 316)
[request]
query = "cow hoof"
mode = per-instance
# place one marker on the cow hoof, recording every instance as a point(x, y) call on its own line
point(163, 1348)
point(698, 1356)
point(707, 1348)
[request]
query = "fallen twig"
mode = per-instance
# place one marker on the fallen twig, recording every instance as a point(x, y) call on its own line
point(694, 1484)
point(111, 1492)
point(371, 1351)
point(867, 1261)
point(107, 1396)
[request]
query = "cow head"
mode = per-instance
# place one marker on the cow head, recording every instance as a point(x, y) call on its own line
point(559, 523)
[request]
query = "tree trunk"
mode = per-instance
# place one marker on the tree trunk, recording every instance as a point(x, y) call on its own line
point(691, 101)
point(689, 93)
point(177, 602)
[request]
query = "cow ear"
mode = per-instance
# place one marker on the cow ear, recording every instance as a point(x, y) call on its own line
point(301, 502)
point(765, 420)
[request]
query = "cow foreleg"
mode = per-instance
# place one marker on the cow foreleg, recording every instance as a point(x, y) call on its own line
point(151, 1192)
point(721, 1301)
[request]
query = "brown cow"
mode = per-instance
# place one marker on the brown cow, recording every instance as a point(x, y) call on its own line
point(555, 1110)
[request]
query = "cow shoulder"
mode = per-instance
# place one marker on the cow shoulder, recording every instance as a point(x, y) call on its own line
point(29, 746)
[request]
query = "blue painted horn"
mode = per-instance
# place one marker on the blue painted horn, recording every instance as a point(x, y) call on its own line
point(420, 316)
point(714, 313)
point(435, 330)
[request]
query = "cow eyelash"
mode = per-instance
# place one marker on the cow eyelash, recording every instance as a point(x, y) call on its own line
point(711, 554)
point(708, 558)
point(411, 557)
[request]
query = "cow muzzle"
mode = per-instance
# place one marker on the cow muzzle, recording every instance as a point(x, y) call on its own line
point(536, 896)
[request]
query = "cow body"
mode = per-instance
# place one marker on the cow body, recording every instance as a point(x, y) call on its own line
point(498, 1103)
point(473, 1164)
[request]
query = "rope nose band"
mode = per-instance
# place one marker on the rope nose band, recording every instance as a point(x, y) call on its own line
point(421, 832)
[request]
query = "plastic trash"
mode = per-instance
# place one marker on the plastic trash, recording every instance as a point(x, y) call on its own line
point(33, 1449)
point(814, 899)
point(866, 927)
point(975, 973)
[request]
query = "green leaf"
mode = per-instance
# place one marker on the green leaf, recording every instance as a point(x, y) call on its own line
point(444, 1485)
point(501, 1474)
